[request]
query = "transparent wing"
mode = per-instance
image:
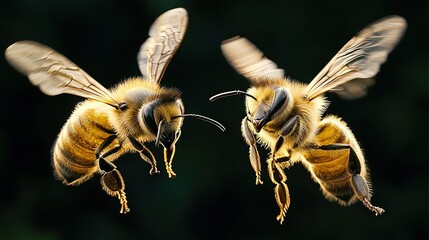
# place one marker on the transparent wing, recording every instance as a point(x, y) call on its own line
point(53, 73)
point(165, 36)
point(353, 89)
point(360, 58)
point(249, 61)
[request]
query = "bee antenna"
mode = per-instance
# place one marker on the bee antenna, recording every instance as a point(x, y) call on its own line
point(158, 133)
point(204, 118)
point(231, 93)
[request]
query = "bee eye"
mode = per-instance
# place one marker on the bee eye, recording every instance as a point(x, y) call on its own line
point(281, 98)
point(149, 118)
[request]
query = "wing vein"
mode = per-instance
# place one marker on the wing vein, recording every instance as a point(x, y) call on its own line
point(360, 58)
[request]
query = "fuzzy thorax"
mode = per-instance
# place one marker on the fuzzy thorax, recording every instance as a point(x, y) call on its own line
point(309, 112)
point(138, 93)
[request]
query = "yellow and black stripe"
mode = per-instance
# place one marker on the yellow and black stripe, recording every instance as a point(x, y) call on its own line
point(74, 152)
point(330, 168)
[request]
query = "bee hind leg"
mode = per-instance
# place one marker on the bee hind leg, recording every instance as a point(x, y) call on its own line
point(359, 184)
point(111, 179)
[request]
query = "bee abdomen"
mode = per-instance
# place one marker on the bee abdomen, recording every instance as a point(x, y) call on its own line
point(330, 167)
point(332, 174)
point(74, 153)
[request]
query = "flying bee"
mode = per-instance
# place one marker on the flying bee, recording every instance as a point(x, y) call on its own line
point(287, 116)
point(110, 123)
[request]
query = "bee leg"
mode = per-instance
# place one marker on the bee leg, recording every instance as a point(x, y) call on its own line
point(283, 161)
point(168, 159)
point(113, 183)
point(111, 179)
point(289, 128)
point(281, 191)
point(142, 150)
point(359, 184)
point(253, 151)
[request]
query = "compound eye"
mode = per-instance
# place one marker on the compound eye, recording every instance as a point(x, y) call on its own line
point(281, 98)
point(149, 118)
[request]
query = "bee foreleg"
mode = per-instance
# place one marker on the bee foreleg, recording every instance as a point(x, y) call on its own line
point(359, 184)
point(253, 151)
point(281, 190)
point(142, 150)
point(111, 179)
point(168, 159)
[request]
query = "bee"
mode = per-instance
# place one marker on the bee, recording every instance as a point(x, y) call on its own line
point(286, 116)
point(110, 123)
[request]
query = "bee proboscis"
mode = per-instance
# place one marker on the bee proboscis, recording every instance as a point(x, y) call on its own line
point(110, 123)
point(286, 116)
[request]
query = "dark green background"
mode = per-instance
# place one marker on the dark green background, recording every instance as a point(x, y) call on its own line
point(213, 196)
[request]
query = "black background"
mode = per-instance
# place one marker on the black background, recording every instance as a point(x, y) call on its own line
point(213, 196)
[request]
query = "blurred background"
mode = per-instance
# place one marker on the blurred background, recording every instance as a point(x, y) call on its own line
point(213, 195)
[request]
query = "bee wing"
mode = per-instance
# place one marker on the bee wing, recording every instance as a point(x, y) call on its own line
point(165, 36)
point(249, 61)
point(360, 58)
point(353, 89)
point(53, 73)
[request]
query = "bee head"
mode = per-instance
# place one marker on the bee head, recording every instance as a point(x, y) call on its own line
point(263, 103)
point(169, 125)
point(271, 102)
point(158, 116)
point(163, 116)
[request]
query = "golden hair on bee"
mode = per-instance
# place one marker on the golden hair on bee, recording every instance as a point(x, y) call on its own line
point(286, 116)
point(112, 122)
point(136, 92)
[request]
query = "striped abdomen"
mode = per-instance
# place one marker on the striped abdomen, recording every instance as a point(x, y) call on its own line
point(330, 167)
point(74, 152)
